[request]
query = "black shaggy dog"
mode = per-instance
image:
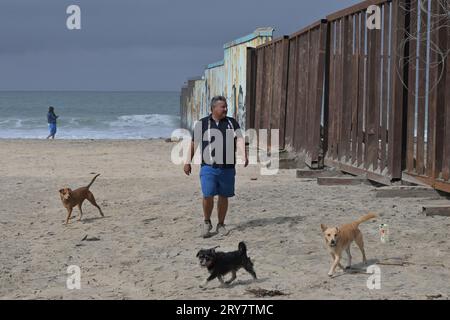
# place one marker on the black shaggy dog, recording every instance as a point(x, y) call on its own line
point(222, 263)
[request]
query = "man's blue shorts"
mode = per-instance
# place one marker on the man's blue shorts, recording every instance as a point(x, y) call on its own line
point(217, 181)
point(52, 128)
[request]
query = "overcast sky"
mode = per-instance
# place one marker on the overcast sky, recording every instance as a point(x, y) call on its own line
point(133, 44)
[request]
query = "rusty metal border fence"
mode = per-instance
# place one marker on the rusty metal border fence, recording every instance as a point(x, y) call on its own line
point(286, 76)
point(307, 58)
point(428, 130)
point(338, 90)
point(366, 93)
point(267, 65)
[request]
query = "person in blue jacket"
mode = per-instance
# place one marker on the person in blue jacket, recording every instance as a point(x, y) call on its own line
point(51, 119)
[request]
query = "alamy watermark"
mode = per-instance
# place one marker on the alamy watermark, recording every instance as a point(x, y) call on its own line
point(374, 281)
point(74, 279)
point(73, 21)
point(373, 17)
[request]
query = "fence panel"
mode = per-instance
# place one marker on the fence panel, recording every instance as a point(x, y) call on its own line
point(381, 95)
point(271, 63)
point(305, 96)
point(428, 128)
point(365, 110)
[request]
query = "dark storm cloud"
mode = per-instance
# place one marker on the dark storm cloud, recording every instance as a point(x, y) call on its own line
point(133, 45)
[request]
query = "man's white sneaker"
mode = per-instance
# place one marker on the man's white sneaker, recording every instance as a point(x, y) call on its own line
point(221, 230)
point(206, 228)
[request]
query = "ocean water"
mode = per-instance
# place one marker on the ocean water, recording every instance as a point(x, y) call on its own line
point(89, 115)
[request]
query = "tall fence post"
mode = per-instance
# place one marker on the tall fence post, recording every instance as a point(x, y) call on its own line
point(396, 139)
point(250, 88)
point(284, 90)
point(326, 93)
point(444, 94)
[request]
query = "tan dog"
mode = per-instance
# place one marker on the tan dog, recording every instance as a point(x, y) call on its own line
point(71, 198)
point(339, 239)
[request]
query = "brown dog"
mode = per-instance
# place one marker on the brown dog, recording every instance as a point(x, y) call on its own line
point(339, 239)
point(71, 198)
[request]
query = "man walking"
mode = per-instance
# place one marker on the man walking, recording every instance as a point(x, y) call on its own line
point(219, 136)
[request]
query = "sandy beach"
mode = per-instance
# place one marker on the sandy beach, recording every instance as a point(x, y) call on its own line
point(145, 246)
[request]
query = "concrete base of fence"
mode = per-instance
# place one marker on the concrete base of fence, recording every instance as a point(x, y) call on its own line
point(291, 163)
point(313, 164)
point(407, 192)
point(312, 174)
point(358, 171)
point(286, 160)
point(289, 160)
point(342, 181)
point(406, 178)
point(437, 210)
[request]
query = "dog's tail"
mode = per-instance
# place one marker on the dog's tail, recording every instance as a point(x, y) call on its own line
point(90, 184)
point(242, 248)
point(366, 218)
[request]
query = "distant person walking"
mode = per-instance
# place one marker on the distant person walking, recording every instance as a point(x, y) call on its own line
point(51, 119)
